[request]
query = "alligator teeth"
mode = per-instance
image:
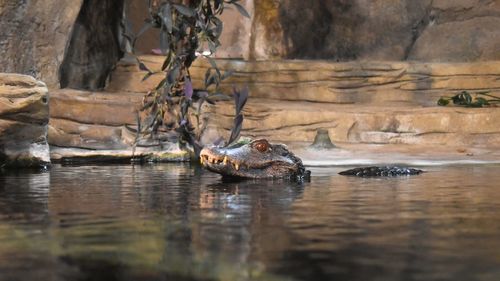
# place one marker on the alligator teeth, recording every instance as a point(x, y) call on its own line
point(225, 160)
point(237, 166)
point(201, 160)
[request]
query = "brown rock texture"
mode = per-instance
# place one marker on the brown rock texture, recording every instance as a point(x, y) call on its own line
point(34, 36)
point(367, 82)
point(24, 114)
point(92, 120)
point(357, 102)
point(290, 121)
point(346, 30)
point(100, 127)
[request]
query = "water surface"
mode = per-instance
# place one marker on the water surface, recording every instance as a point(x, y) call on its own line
point(178, 222)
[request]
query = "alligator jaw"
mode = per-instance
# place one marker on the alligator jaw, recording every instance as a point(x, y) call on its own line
point(257, 159)
point(217, 162)
point(229, 166)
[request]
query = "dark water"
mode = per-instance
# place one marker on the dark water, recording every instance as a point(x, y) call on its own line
point(177, 222)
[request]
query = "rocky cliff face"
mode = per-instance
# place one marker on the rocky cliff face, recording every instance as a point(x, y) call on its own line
point(345, 30)
point(38, 37)
point(24, 115)
point(34, 36)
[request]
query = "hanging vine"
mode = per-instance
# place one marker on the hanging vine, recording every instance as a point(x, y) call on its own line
point(188, 29)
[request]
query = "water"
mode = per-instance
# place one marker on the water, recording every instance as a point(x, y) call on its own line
point(177, 222)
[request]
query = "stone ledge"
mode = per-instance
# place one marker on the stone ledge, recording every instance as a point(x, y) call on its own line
point(90, 127)
point(367, 82)
point(92, 120)
point(291, 121)
point(360, 154)
point(170, 153)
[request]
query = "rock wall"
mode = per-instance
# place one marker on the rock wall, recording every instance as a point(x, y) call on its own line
point(376, 83)
point(357, 102)
point(395, 30)
point(38, 37)
point(34, 36)
point(24, 115)
point(289, 121)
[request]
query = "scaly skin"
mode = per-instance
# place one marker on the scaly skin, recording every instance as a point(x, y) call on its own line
point(387, 171)
point(261, 159)
point(257, 159)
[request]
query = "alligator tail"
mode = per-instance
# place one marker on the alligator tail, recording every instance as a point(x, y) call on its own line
point(387, 171)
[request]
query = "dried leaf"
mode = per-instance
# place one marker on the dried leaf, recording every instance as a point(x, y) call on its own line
point(241, 9)
point(240, 99)
point(188, 88)
point(235, 133)
point(186, 11)
point(166, 16)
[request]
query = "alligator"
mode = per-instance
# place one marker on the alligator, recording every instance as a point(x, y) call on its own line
point(386, 171)
point(254, 159)
point(261, 159)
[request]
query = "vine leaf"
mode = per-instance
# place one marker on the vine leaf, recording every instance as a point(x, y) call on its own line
point(241, 9)
point(186, 11)
point(240, 99)
point(188, 88)
point(166, 16)
point(465, 99)
point(142, 66)
point(147, 25)
point(235, 133)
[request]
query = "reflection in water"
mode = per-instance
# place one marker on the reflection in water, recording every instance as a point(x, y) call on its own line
point(178, 222)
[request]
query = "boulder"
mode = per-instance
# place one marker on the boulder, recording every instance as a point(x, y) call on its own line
point(24, 115)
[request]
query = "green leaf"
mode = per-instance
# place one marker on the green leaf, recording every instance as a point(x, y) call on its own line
point(167, 60)
point(166, 16)
point(235, 132)
point(214, 65)
point(147, 25)
point(482, 101)
point(443, 101)
point(142, 66)
point(172, 75)
point(161, 84)
point(218, 26)
point(164, 41)
point(217, 4)
point(241, 9)
point(207, 77)
point(227, 74)
point(147, 76)
point(186, 11)
point(217, 96)
point(212, 46)
point(210, 81)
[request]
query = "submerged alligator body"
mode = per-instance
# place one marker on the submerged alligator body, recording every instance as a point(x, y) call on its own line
point(261, 159)
point(387, 171)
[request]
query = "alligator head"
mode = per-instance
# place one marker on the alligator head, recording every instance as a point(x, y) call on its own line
point(256, 159)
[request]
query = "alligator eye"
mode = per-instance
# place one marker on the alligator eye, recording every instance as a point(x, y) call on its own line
point(262, 146)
